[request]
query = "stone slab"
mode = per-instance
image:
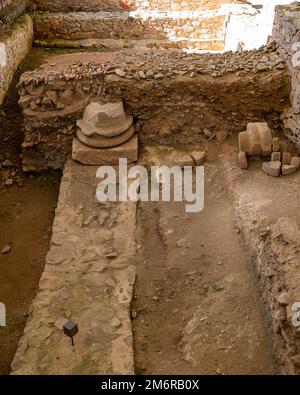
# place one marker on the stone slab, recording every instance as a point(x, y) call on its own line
point(88, 278)
point(105, 156)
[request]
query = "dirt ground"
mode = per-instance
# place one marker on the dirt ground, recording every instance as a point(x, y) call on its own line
point(196, 307)
point(27, 204)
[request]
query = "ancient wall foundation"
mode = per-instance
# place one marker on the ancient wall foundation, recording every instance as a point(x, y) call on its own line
point(206, 32)
point(286, 32)
point(78, 5)
point(174, 96)
point(15, 44)
point(201, 25)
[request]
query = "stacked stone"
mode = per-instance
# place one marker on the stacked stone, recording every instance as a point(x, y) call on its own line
point(281, 161)
point(257, 141)
point(286, 32)
point(153, 85)
point(10, 10)
point(73, 23)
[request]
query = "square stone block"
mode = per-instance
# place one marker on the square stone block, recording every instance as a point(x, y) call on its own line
point(105, 156)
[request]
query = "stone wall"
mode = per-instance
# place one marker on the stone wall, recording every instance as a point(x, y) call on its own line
point(286, 31)
point(15, 44)
point(12, 10)
point(103, 25)
point(175, 97)
point(78, 5)
point(183, 5)
point(4, 3)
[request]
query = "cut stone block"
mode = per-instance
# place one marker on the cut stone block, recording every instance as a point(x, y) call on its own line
point(276, 156)
point(181, 159)
point(275, 144)
point(272, 168)
point(286, 158)
point(198, 157)
point(105, 156)
point(288, 169)
point(243, 160)
point(295, 162)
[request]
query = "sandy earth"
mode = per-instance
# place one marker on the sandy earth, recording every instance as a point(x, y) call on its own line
point(26, 216)
point(196, 308)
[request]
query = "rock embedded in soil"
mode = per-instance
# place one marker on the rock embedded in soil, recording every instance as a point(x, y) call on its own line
point(6, 249)
point(288, 169)
point(199, 157)
point(272, 168)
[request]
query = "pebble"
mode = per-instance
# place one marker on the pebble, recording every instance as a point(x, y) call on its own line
point(6, 249)
point(9, 182)
point(120, 72)
point(115, 322)
point(7, 163)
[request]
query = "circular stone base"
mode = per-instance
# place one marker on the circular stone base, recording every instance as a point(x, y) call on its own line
point(105, 142)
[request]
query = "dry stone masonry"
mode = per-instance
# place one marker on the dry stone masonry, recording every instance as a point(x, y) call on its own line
point(15, 44)
point(286, 32)
point(195, 25)
point(174, 96)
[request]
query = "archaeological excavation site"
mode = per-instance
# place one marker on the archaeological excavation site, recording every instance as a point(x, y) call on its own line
point(149, 187)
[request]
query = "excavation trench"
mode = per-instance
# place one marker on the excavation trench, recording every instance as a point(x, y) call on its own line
point(196, 307)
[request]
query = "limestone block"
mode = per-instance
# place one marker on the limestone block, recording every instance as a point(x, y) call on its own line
point(105, 156)
point(198, 157)
point(272, 168)
point(295, 162)
point(257, 140)
point(276, 156)
point(288, 169)
point(275, 144)
point(243, 160)
point(286, 158)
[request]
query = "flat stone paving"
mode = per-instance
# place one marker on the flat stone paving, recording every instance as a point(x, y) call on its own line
point(89, 276)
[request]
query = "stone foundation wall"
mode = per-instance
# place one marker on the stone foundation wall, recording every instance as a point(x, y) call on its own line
point(4, 3)
point(15, 44)
point(12, 10)
point(174, 97)
point(104, 25)
point(78, 5)
point(286, 32)
point(183, 5)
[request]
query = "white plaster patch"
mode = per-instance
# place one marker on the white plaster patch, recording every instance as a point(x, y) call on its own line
point(3, 56)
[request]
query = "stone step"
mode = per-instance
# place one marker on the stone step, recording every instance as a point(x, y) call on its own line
point(88, 278)
point(191, 29)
